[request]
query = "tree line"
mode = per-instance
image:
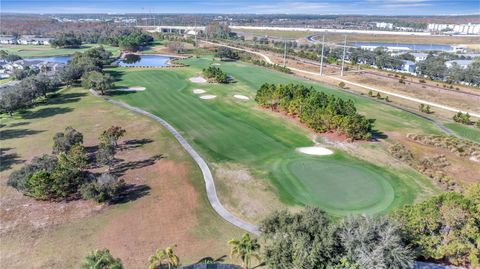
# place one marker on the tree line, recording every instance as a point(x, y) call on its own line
point(34, 86)
point(319, 111)
point(64, 175)
point(445, 228)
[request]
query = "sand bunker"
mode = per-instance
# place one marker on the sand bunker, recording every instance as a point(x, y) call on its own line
point(241, 97)
point(198, 91)
point(131, 89)
point(208, 96)
point(198, 79)
point(315, 151)
point(216, 64)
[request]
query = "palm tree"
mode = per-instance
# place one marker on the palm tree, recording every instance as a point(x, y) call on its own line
point(101, 259)
point(161, 255)
point(245, 248)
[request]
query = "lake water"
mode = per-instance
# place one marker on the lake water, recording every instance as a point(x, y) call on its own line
point(422, 47)
point(144, 60)
point(53, 59)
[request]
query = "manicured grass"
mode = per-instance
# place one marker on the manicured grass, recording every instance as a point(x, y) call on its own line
point(228, 130)
point(40, 51)
point(468, 132)
point(175, 211)
point(339, 184)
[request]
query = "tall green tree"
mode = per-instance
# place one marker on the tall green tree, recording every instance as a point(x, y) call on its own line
point(97, 81)
point(245, 248)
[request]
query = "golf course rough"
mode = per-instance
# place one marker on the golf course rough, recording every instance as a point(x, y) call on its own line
point(225, 131)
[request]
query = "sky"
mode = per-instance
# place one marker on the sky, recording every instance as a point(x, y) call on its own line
point(363, 7)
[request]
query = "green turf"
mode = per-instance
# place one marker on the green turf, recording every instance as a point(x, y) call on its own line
point(43, 51)
point(468, 132)
point(228, 130)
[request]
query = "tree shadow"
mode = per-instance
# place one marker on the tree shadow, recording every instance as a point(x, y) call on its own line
point(131, 193)
point(378, 135)
point(135, 143)
point(45, 112)
point(116, 74)
point(113, 92)
point(121, 168)
point(63, 98)
point(8, 159)
point(16, 124)
point(17, 133)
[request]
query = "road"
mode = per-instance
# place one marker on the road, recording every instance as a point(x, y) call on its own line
point(413, 99)
point(207, 174)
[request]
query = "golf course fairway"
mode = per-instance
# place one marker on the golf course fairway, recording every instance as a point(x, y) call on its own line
point(226, 130)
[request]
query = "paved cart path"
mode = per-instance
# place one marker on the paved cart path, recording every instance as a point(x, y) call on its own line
point(207, 174)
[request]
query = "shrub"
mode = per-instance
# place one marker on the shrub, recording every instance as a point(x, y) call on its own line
point(462, 118)
point(105, 188)
point(63, 142)
point(401, 81)
point(341, 84)
point(478, 124)
point(423, 81)
point(101, 259)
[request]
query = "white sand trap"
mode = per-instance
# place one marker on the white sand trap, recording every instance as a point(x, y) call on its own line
point(131, 89)
point(315, 151)
point(198, 79)
point(208, 96)
point(241, 97)
point(216, 64)
point(198, 91)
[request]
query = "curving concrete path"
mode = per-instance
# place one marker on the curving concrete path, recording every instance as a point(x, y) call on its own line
point(207, 174)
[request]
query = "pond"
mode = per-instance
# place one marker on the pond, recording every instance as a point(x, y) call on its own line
point(52, 59)
point(133, 60)
point(421, 47)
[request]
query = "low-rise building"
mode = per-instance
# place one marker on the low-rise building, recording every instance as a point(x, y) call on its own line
point(462, 63)
point(419, 56)
point(32, 40)
point(408, 66)
point(8, 40)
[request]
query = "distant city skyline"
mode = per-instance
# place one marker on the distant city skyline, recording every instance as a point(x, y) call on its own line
point(360, 7)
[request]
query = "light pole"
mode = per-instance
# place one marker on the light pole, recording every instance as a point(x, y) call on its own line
point(343, 57)
point(321, 58)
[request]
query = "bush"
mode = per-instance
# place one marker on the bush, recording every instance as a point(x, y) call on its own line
point(462, 118)
point(101, 259)
point(341, 84)
point(63, 142)
point(105, 188)
point(216, 74)
point(226, 53)
point(423, 81)
point(478, 124)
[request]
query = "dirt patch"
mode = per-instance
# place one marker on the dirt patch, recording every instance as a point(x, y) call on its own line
point(162, 220)
point(244, 194)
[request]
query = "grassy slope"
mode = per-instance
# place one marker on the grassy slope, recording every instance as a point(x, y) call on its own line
point(228, 130)
point(467, 132)
point(42, 51)
point(62, 246)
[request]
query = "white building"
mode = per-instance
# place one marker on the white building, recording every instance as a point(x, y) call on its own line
point(384, 25)
point(464, 29)
point(8, 40)
point(419, 56)
point(408, 66)
point(31, 40)
point(462, 63)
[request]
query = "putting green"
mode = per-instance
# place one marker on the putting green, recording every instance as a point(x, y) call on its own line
point(224, 130)
point(336, 184)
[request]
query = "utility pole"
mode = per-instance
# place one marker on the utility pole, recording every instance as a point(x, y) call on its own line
point(343, 57)
point(285, 54)
point(321, 58)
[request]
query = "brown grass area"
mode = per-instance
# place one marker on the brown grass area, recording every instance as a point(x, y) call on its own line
point(463, 170)
point(244, 194)
point(173, 209)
